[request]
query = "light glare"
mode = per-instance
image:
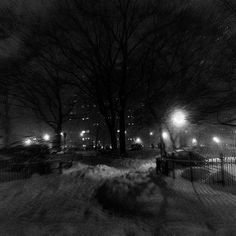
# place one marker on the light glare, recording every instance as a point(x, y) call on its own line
point(194, 141)
point(216, 139)
point(46, 137)
point(179, 118)
point(28, 142)
point(82, 133)
point(164, 135)
point(138, 140)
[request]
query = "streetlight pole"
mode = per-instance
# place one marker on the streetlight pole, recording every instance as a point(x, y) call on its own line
point(178, 119)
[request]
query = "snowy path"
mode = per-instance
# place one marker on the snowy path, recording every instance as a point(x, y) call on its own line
point(68, 205)
point(218, 207)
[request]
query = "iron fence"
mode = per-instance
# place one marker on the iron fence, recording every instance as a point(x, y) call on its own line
point(10, 171)
point(217, 170)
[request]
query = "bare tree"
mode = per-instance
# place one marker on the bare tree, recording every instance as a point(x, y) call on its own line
point(106, 44)
point(45, 91)
point(184, 69)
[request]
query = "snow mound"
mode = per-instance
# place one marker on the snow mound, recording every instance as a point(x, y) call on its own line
point(198, 173)
point(94, 172)
point(134, 193)
point(64, 205)
point(135, 164)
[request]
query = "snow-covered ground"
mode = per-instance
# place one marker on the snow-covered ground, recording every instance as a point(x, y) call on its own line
point(96, 200)
point(64, 204)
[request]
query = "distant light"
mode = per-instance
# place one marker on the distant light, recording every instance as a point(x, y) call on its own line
point(28, 142)
point(46, 137)
point(138, 140)
point(82, 133)
point(151, 133)
point(118, 131)
point(179, 118)
point(62, 134)
point(194, 141)
point(216, 139)
point(165, 135)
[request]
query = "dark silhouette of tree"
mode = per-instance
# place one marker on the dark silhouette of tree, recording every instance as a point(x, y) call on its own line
point(106, 45)
point(45, 91)
point(184, 69)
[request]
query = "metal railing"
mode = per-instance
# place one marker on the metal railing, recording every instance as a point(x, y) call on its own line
point(10, 171)
point(221, 170)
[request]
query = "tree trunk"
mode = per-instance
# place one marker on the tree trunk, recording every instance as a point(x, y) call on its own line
point(122, 132)
point(172, 139)
point(57, 140)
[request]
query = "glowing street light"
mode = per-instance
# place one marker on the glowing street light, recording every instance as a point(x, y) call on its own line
point(82, 133)
point(179, 118)
point(194, 141)
point(151, 133)
point(216, 139)
point(165, 135)
point(138, 140)
point(46, 137)
point(28, 142)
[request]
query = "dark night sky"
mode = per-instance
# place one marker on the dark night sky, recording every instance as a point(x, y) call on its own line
point(11, 46)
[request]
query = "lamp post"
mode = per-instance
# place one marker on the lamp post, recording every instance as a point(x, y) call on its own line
point(150, 139)
point(178, 119)
point(217, 141)
point(46, 137)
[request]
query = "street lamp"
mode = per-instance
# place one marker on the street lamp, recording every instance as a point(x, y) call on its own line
point(138, 140)
point(216, 139)
point(28, 142)
point(151, 133)
point(178, 118)
point(194, 141)
point(46, 137)
point(164, 135)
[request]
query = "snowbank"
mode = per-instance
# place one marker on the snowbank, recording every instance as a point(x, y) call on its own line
point(133, 194)
point(135, 164)
point(94, 172)
point(198, 173)
point(63, 205)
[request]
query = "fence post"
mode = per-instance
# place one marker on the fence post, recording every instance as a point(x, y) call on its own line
point(60, 167)
point(191, 173)
point(191, 168)
point(173, 164)
point(167, 167)
point(222, 169)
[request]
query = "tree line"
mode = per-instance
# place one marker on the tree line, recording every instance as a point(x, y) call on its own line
point(121, 54)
